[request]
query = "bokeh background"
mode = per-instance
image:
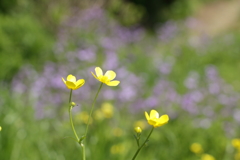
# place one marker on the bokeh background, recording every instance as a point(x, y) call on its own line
point(179, 57)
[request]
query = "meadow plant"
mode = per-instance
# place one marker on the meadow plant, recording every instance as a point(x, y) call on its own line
point(198, 150)
point(194, 79)
point(73, 84)
point(236, 145)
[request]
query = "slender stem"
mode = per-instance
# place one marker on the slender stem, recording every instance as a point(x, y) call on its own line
point(70, 97)
point(83, 150)
point(71, 122)
point(138, 138)
point(70, 116)
point(89, 118)
point(139, 148)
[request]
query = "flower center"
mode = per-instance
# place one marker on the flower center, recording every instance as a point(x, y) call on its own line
point(104, 79)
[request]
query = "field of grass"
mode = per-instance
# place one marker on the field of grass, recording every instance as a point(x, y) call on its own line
point(192, 78)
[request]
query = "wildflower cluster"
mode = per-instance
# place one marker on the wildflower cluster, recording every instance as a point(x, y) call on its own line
point(106, 110)
point(236, 145)
point(198, 150)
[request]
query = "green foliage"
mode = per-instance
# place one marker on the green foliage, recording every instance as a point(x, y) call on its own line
point(24, 137)
point(6, 6)
point(22, 40)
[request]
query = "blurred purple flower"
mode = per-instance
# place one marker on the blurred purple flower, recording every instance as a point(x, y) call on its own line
point(165, 68)
point(236, 115)
point(211, 73)
point(208, 111)
point(192, 23)
point(111, 61)
point(191, 81)
point(109, 94)
point(213, 88)
point(189, 105)
point(127, 93)
point(151, 102)
point(168, 31)
point(88, 55)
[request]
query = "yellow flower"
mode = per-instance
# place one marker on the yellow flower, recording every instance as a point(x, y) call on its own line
point(154, 119)
point(207, 157)
point(71, 82)
point(0, 128)
point(107, 110)
point(98, 115)
point(196, 148)
point(83, 117)
point(138, 130)
point(106, 78)
point(236, 143)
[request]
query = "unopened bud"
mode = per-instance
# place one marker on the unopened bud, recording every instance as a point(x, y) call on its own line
point(138, 130)
point(73, 104)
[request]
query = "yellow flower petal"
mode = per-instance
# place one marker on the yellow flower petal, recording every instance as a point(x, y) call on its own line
point(94, 76)
point(70, 85)
point(162, 120)
point(98, 71)
point(196, 148)
point(79, 83)
point(207, 157)
point(71, 78)
point(154, 119)
point(113, 83)
point(110, 74)
point(71, 82)
point(63, 80)
point(154, 114)
point(146, 115)
point(152, 122)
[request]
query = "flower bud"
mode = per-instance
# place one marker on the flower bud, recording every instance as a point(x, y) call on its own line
point(0, 128)
point(138, 130)
point(73, 104)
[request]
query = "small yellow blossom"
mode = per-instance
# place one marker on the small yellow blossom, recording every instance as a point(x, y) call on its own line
point(138, 130)
point(155, 120)
point(106, 78)
point(98, 115)
point(196, 148)
point(83, 117)
point(207, 157)
point(71, 82)
point(0, 128)
point(107, 110)
point(236, 143)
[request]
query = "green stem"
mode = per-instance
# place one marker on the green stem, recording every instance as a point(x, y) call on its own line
point(139, 148)
point(90, 116)
point(71, 122)
point(83, 150)
point(70, 116)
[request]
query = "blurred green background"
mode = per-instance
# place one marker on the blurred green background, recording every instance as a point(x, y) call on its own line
point(179, 57)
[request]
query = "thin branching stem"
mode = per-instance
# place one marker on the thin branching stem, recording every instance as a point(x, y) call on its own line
point(139, 148)
point(90, 115)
